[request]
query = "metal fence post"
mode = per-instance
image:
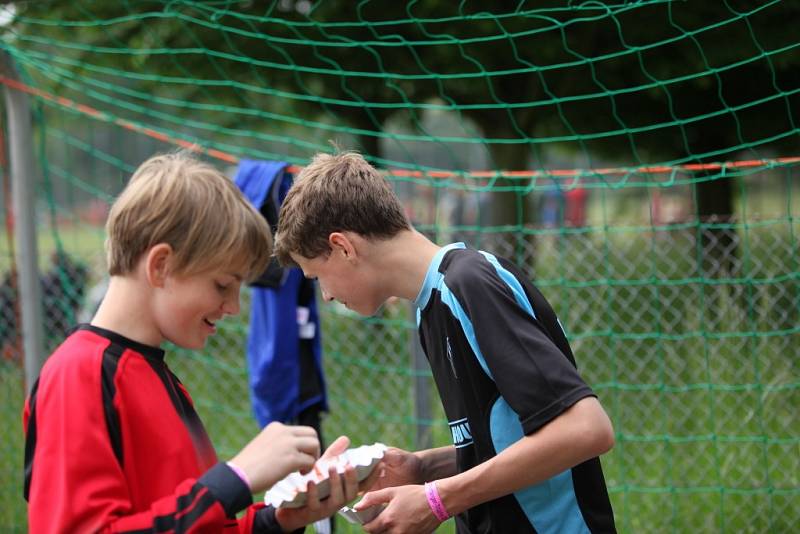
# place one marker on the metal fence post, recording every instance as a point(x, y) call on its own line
point(20, 140)
point(422, 393)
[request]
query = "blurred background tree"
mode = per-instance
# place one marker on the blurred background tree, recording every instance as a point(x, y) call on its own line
point(645, 83)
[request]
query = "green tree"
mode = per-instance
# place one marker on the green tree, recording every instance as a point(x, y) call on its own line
point(640, 83)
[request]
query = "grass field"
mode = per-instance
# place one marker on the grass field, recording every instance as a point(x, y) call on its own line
point(12, 506)
point(700, 376)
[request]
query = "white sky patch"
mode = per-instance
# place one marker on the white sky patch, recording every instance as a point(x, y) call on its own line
point(7, 14)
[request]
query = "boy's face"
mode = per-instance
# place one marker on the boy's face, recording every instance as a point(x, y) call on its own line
point(189, 307)
point(339, 279)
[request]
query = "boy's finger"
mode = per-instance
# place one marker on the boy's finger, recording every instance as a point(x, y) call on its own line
point(303, 429)
point(304, 432)
point(308, 445)
point(350, 483)
point(305, 462)
point(335, 484)
point(337, 447)
point(312, 496)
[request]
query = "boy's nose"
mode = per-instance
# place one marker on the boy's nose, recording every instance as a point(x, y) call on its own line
point(231, 305)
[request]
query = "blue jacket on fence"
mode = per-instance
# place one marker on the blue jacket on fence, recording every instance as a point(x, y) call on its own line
point(273, 352)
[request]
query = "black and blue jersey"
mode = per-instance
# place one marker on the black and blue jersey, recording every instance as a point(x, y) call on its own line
point(504, 369)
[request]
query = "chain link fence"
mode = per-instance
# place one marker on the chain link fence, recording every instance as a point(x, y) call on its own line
point(686, 328)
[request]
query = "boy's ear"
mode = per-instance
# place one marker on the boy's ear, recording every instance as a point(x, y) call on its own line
point(341, 244)
point(156, 264)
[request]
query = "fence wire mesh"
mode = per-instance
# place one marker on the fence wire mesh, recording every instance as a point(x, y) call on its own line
point(691, 347)
point(676, 277)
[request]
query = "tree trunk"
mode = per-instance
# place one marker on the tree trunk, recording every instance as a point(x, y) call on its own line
point(511, 208)
point(719, 245)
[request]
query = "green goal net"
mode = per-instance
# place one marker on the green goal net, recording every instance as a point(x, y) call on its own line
point(639, 159)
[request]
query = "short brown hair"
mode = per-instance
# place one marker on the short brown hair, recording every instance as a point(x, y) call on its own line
point(194, 208)
point(336, 193)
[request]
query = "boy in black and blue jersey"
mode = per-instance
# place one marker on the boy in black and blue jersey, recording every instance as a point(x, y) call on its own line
point(527, 430)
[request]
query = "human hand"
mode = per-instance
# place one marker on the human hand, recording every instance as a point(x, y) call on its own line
point(339, 446)
point(275, 452)
point(407, 511)
point(397, 468)
point(344, 489)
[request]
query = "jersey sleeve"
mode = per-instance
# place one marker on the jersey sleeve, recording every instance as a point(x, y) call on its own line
point(532, 374)
point(74, 481)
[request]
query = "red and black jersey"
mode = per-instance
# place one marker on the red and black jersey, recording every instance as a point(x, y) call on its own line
point(113, 444)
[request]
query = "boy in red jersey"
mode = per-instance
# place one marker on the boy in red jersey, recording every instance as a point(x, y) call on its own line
point(113, 443)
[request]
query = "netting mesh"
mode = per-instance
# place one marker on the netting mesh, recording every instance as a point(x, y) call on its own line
point(637, 159)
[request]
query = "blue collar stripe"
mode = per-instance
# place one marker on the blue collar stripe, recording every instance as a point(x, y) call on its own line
point(433, 277)
point(512, 283)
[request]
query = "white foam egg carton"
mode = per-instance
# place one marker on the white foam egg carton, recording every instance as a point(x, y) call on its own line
point(291, 491)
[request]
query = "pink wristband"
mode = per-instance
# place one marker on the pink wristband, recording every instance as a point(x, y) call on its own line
point(238, 470)
point(435, 501)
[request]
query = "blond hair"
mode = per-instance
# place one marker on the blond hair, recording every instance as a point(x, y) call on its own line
point(196, 210)
point(336, 193)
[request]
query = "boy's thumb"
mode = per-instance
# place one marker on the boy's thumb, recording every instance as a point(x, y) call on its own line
point(375, 497)
point(394, 457)
point(336, 448)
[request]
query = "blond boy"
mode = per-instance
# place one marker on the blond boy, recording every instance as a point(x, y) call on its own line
point(526, 429)
point(113, 442)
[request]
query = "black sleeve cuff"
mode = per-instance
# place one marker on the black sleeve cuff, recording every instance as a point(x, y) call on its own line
point(227, 488)
point(265, 523)
point(534, 422)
